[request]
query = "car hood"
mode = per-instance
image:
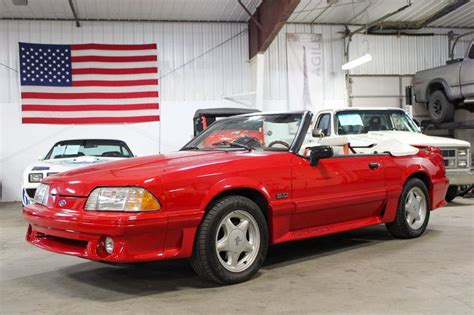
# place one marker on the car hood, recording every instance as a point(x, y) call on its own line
point(414, 138)
point(142, 171)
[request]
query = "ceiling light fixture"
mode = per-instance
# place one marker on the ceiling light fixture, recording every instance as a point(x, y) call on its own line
point(357, 62)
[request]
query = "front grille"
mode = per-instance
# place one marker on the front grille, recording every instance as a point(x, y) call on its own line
point(448, 153)
point(452, 158)
point(31, 192)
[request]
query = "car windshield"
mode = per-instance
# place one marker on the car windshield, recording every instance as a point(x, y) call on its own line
point(363, 121)
point(270, 132)
point(99, 148)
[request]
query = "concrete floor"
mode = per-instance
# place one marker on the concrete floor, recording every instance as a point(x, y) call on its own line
point(364, 271)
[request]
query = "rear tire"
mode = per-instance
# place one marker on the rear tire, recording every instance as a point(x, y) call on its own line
point(232, 241)
point(451, 193)
point(440, 108)
point(413, 212)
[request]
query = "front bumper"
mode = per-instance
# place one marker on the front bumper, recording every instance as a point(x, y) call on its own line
point(137, 236)
point(460, 177)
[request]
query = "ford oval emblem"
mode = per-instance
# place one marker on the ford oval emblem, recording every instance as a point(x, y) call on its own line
point(62, 202)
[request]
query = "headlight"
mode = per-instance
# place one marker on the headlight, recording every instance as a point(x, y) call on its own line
point(462, 163)
point(121, 199)
point(41, 195)
point(462, 152)
point(35, 177)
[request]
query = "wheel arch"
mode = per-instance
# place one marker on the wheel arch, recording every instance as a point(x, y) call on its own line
point(426, 179)
point(244, 187)
point(438, 85)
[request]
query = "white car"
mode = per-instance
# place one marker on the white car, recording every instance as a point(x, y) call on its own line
point(396, 123)
point(71, 154)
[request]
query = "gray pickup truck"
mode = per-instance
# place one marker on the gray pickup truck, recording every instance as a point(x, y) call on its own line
point(443, 88)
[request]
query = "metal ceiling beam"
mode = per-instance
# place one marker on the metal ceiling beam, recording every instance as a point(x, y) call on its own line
point(74, 13)
point(271, 15)
point(415, 25)
point(378, 21)
point(250, 15)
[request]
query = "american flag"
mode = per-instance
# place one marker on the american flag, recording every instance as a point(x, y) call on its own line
point(88, 83)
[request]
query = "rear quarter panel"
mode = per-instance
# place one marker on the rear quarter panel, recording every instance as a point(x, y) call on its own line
point(427, 163)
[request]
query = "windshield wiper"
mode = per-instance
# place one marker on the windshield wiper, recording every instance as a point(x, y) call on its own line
point(233, 144)
point(189, 148)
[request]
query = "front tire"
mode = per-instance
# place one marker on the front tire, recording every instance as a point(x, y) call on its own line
point(413, 212)
point(232, 241)
point(440, 108)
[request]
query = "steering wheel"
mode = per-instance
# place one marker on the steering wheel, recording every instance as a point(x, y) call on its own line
point(111, 154)
point(283, 143)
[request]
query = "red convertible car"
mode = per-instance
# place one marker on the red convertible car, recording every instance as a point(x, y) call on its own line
point(222, 204)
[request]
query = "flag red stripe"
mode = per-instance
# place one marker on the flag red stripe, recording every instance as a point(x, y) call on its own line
point(112, 47)
point(90, 120)
point(114, 83)
point(114, 71)
point(113, 58)
point(80, 108)
point(57, 96)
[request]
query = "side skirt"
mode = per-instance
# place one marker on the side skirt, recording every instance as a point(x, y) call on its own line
point(328, 229)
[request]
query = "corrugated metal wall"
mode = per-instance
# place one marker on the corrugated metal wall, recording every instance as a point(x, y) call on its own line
point(392, 55)
point(276, 78)
point(207, 69)
point(405, 54)
point(199, 62)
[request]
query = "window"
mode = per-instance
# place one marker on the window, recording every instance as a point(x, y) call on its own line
point(99, 148)
point(471, 52)
point(363, 121)
point(324, 124)
point(271, 132)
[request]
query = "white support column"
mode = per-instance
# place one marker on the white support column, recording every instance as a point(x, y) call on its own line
point(257, 78)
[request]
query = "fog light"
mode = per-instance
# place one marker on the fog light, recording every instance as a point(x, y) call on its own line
point(109, 245)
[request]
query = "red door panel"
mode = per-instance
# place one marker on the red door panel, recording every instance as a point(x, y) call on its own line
point(338, 189)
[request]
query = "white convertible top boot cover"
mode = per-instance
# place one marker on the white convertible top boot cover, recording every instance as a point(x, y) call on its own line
point(379, 143)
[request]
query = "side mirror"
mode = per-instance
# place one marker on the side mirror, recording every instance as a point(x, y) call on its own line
point(318, 133)
point(319, 152)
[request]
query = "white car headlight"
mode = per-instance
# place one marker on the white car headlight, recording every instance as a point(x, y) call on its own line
point(35, 177)
point(42, 194)
point(121, 199)
point(462, 152)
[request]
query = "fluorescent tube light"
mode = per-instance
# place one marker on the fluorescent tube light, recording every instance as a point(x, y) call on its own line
point(357, 62)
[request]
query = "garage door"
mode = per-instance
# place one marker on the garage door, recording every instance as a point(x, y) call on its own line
point(378, 91)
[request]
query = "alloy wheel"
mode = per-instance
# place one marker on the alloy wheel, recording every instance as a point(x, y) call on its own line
point(237, 241)
point(415, 208)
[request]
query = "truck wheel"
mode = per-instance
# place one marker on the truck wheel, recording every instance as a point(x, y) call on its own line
point(232, 240)
point(451, 193)
point(413, 212)
point(440, 108)
point(465, 189)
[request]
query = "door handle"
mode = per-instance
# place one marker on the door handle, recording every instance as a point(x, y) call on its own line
point(374, 165)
